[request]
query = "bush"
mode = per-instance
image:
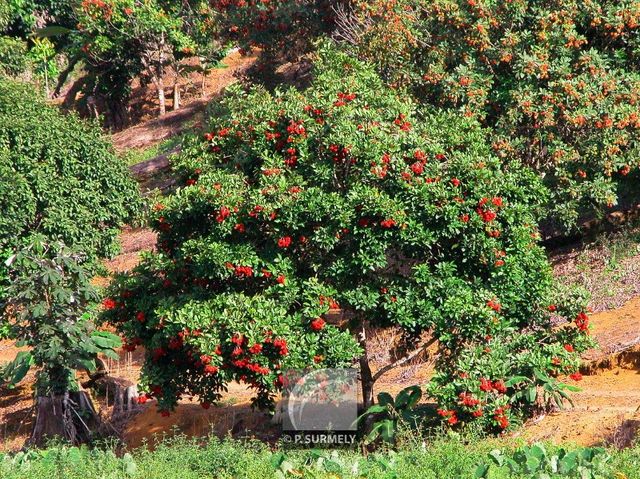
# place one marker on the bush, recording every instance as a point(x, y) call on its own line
point(58, 177)
point(556, 82)
point(13, 56)
point(297, 204)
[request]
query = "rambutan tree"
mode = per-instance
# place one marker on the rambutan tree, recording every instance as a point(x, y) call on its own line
point(278, 27)
point(556, 82)
point(342, 197)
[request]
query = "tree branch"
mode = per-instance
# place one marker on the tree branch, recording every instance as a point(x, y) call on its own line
point(403, 360)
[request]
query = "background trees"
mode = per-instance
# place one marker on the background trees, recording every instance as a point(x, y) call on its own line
point(555, 82)
point(123, 39)
point(59, 177)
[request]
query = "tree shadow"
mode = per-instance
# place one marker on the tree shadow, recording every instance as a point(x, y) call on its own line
point(191, 420)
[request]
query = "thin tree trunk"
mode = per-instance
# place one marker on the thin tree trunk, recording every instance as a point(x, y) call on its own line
point(160, 85)
point(176, 94)
point(62, 78)
point(366, 376)
point(46, 81)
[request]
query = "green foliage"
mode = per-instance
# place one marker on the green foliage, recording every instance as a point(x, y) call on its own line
point(181, 458)
point(534, 462)
point(341, 197)
point(48, 310)
point(13, 56)
point(42, 54)
point(58, 177)
point(556, 82)
point(121, 39)
point(277, 26)
point(390, 414)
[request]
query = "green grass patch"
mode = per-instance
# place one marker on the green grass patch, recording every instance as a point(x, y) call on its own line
point(182, 458)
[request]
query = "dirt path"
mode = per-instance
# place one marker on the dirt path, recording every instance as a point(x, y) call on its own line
point(606, 408)
point(154, 131)
point(604, 411)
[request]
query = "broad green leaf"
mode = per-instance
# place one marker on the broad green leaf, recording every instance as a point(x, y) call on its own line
point(106, 340)
point(17, 369)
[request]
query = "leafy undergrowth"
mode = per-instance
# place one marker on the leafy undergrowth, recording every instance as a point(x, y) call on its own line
point(444, 457)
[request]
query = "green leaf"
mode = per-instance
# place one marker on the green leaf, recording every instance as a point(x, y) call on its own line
point(481, 471)
point(17, 369)
point(538, 451)
point(106, 340)
point(388, 430)
point(408, 397)
point(515, 380)
point(110, 354)
point(384, 398)
point(84, 363)
point(375, 409)
point(130, 467)
point(497, 457)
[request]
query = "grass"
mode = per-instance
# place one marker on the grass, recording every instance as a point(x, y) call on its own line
point(135, 156)
point(181, 458)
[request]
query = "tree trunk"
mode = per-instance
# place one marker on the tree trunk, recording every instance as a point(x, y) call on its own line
point(366, 377)
point(176, 94)
point(70, 97)
point(160, 85)
point(62, 78)
point(69, 416)
point(118, 113)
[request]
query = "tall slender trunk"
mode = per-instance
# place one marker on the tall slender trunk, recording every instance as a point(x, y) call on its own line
point(46, 80)
point(160, 77)
point(176, 93)
point(160, 85)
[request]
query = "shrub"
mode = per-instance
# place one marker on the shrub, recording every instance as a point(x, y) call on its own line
point(58, 177)
point(297, 204)
point(453, 456)
point(555, 81)
point(13, 56)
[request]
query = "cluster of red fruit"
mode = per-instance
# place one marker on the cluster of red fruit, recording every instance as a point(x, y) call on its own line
point(402, 122)
point(582, 322)
point(486, 214)
point(340, 154)
point(315, 113)
point(495, 305)
point(344, 98)
point(487, 386)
